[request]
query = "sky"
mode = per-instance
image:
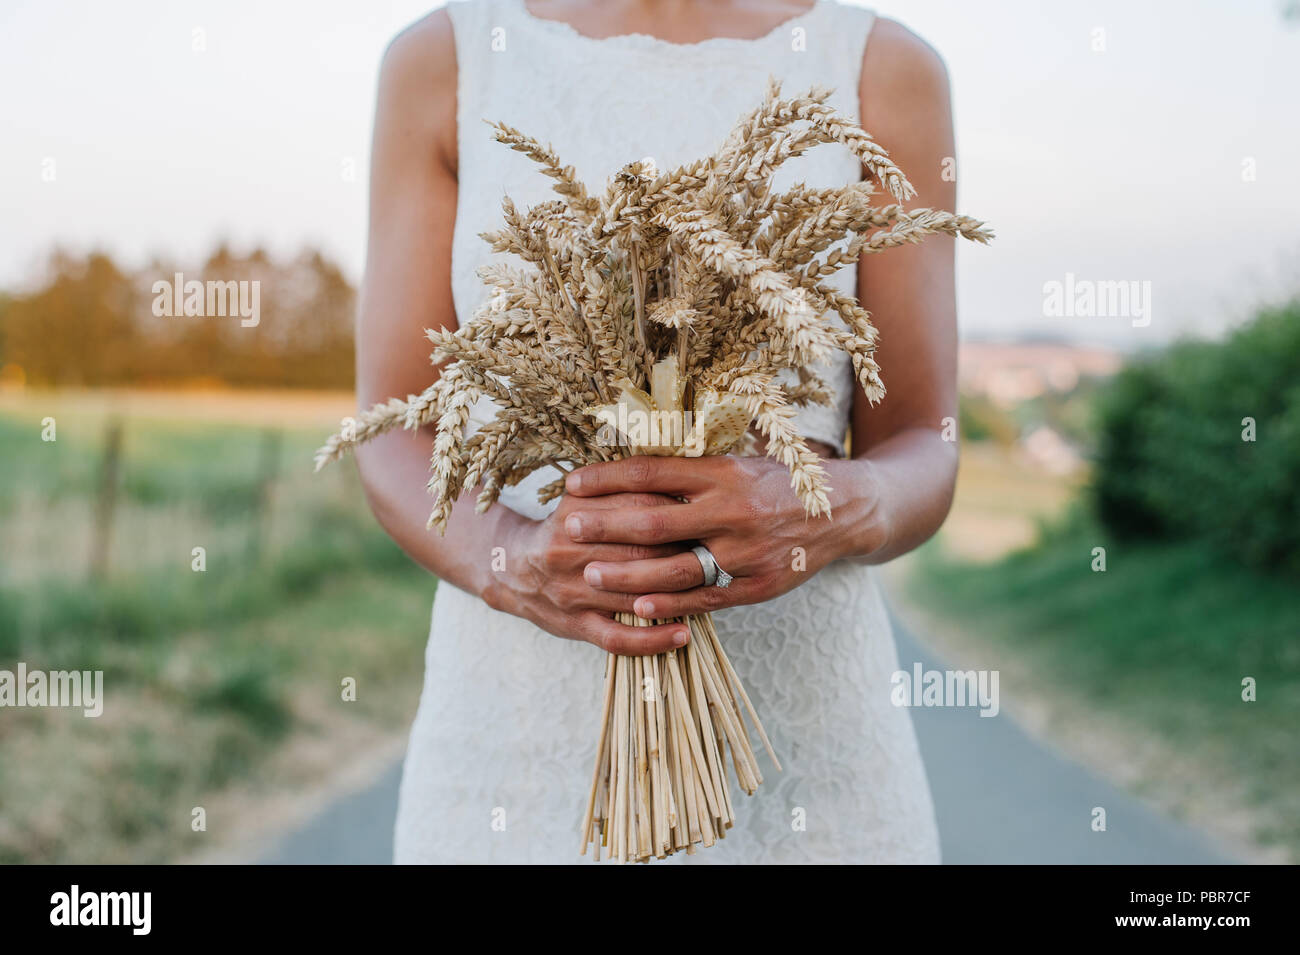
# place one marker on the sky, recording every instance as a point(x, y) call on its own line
point(1145, 141)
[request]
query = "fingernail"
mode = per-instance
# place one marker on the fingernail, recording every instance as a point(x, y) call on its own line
point(573, 481)
point(680, 637)
point(573, 524)
point(592, 573)
point(646, 609)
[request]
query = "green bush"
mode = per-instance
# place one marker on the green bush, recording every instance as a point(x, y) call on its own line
point(1172, 460)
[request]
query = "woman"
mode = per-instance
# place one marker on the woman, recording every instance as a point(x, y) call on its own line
point(504, 741)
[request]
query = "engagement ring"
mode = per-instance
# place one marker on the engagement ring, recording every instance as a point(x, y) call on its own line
point(713, 574)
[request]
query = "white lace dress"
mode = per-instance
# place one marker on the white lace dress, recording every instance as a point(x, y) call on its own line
point(502, 747)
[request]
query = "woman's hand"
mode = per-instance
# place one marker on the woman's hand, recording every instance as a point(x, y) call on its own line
point(542, 579)
point(742, 509)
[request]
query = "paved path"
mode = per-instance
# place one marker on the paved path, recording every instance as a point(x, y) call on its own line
point(1000, 796)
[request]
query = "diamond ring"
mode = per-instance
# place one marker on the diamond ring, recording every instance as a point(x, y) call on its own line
point(713, 574)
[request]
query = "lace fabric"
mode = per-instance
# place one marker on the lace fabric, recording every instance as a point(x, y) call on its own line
point(502, 748)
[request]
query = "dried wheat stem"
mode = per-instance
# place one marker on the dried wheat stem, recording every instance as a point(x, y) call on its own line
point(601, 748)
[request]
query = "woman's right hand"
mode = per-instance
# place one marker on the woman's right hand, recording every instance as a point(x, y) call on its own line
point(542, 581)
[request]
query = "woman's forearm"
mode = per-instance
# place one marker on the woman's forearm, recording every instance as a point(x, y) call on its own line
point(394, 471)
point(893, 497)
point(538, 574)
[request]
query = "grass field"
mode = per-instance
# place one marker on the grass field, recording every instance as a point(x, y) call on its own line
point(1000, 502)
point(208, 674)
point(1156, 649)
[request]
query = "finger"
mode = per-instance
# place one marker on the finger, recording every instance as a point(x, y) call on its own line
point(608, 601)
point(641, 525)
point(696, 600)
point(679, 572)
point(612, 553)
point(641, 473)
point(615, 637)
point(624, 499)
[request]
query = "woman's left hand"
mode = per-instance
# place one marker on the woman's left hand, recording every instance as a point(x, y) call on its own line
point(742, 508)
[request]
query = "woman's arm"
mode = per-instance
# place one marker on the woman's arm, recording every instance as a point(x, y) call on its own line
point(911, 293)
point(406, 289)
point(896, 490)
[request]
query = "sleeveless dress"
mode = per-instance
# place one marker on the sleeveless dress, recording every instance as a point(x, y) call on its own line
point(501, 751)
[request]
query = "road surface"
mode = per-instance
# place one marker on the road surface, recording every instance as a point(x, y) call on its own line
point(1000, 796)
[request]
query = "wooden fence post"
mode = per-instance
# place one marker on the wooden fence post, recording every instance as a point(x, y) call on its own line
point(106, 499)
point(268, 472)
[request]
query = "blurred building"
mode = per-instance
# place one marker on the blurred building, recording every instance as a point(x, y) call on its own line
point(1009, 373)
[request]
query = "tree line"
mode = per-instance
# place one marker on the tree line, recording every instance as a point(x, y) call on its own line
point(89, 322)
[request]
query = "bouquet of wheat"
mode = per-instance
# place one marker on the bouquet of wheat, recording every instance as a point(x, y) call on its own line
point(668, 316)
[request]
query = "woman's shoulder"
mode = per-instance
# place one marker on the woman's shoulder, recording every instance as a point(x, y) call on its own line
point(424, 52)
point(897, 54)
point(901, 71)
point(417, 83)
